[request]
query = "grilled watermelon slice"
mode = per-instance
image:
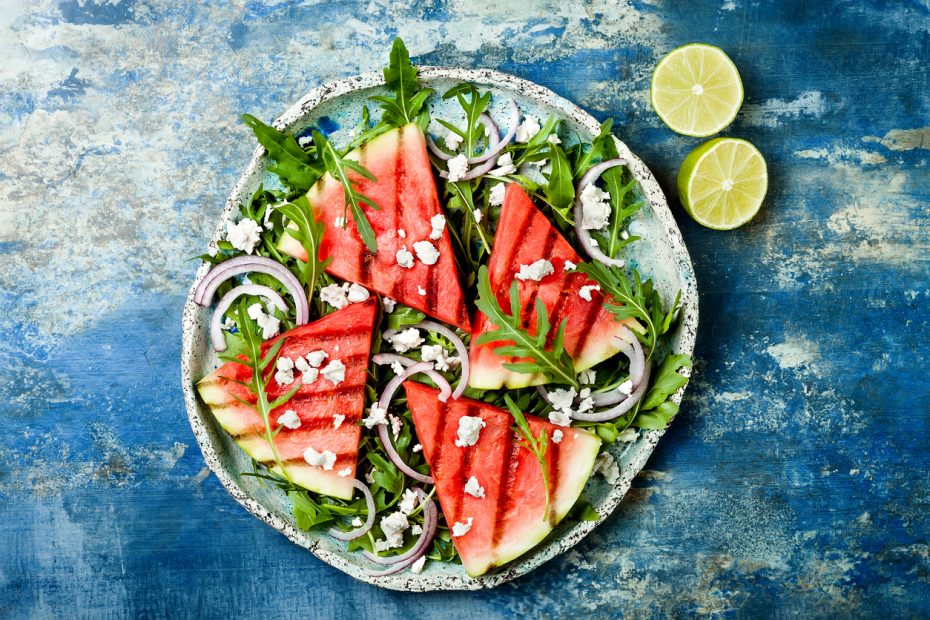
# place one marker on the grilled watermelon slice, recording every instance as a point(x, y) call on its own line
point(511, 518)
point(406, 192)
point(344, 335)
point(524, 236)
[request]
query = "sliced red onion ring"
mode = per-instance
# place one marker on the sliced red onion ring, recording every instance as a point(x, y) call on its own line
point(615, 412)
point(385, 401)
point(260, 264)
point(216, 328)
point(369, 521)
point(491, 154)
point(386, 359)
point(419, 549)
point(493, 140)
point(511, 132)
point(584, 236)
point(460, 348)
point(430, 524)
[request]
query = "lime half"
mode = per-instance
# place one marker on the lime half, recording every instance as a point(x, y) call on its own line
point(696, 90)
point(722, 183)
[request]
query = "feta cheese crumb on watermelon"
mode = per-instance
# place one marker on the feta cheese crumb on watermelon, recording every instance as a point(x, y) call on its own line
point(426, 252)
point(474, 488)
point(469, 431)
point(511, 518)
point(535, 271)
point(289, 419)
point(557, 436)
point(406, 192)
point(523, 238)
point(315, 404)
point(460, 529)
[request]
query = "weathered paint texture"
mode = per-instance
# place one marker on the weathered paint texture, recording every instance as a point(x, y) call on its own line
point(795, 480)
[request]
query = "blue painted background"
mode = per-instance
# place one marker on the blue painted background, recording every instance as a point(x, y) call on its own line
point(795, 480)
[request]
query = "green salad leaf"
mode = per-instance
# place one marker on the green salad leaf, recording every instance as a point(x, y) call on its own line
point(400, 76)
point(309, 232)
point(537, 445)
point(297, 168)
point(554, 363)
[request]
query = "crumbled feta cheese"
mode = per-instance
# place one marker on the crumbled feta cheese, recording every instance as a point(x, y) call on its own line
point(388, 304)
point(417, 567)
point(335, 296)
point(357, 293)
point(626, 387)
point(460, 529)
point(587, 289)
point(439, 356)
point(477, 214)
point(315, 358)
point(473, 488)
point(289, 419)
point(595, 208)
point(496, 196)
point(438, 224)
point(266, 322)
point(554, 139)
point(228, 323)
point(376, 416)
point(469, 430)
point(426, 252)
point(587, 377)
point(324, 459)
point(416, 529)
point(606, 466)
point(357, 522)
point(406, 339)
point(369, 477)
point(304, 140)
point(396, 425)
point(560, 418)
point(453, 141)
point(569, 265)
point(338, 419)
point(345, 472)
point(397, 367)
point(310, 375)
point(624, 235)
point(586, 404)
point(629, 435)
point(404, 258)
point(504, 166)
point(244, 235)
point(408, 501)
point(393, 527)
point(458, 167)
point(557, 435)
point(535, 271)
point(417, 448)
point(527, 129)
point(401, 233)
point(339, 222)
point(421, 291)
point(335, 371)
point(562, 398)
point(285, 371)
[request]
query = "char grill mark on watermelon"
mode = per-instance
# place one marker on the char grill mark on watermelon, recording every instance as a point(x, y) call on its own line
point(552, 460)
point(529, 307)
point(508, 482)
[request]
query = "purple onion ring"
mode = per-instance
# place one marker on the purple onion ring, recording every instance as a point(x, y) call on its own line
point(625, 405)
point(493, 140)
point(216, 329)
point(260, 264)
point(369, 521)
point(584, 237)
point(430, 524)
point(460, 348)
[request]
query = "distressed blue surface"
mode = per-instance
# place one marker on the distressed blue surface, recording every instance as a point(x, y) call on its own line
point(794, 482)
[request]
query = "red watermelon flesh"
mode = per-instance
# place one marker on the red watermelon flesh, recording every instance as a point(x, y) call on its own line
point(406, 192)
point(511, 518)
point(523, 236)
point(344, 335)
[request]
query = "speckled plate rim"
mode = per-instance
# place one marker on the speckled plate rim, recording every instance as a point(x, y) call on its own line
point(406, 580)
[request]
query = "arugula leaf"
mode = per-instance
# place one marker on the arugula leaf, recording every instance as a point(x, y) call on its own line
point(309, 233)
point(595, 153)
point(560, 190)
point(537, 445)
point(339, 168)
point(667, 380)
point(297, 168)
point(400, 76)
point(473, 106)
point(555, 364)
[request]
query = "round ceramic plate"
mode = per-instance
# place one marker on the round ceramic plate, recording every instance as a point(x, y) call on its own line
point(659, 254)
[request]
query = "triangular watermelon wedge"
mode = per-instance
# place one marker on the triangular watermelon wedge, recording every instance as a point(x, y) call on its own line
point(344, 335)
point(524, 236)
point(406, 192)
point(511, 518)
